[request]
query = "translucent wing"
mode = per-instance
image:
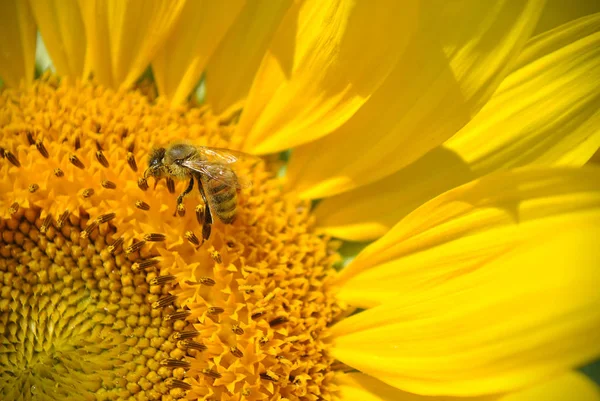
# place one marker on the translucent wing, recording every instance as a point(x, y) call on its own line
point(220, 172)
point(225, 156)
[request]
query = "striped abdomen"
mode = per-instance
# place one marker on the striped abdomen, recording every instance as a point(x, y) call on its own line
point(222, 197)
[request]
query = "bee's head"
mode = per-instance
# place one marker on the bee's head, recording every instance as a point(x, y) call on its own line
point(156, 167)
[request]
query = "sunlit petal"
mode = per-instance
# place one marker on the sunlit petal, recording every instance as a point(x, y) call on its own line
point(485, 289)
point(123, 36)
point(17, 36)
point(325, 61)
point(230, 71)
point(546, 112)
point(571, 386)
point(446, 75)
point(428, 246)
point(179, 65)
point(61, 26)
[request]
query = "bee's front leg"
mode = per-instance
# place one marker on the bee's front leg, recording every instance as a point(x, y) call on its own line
point(183, 194)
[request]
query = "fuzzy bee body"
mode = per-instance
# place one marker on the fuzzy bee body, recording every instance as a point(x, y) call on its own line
point(212, 169)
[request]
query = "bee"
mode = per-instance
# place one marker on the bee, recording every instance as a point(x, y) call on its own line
point(212, 168)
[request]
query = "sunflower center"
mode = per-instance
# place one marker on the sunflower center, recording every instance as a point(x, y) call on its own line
point(108, 288)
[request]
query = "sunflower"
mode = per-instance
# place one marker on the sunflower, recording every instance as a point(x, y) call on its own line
point(451, 137)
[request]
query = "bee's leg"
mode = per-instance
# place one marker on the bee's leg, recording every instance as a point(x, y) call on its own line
point(206, 227)
point(183, 194)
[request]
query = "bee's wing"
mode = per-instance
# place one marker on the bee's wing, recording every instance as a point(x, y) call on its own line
point(219, 172)
point(226, 156)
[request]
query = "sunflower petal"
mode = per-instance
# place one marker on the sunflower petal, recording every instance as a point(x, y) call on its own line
point(546, 112)
point(571, 386)
point(447, 74)
point(18, 38)
point(123, 36)
point(203, 24)
point(325, 61)
point(61, 26)
point(428, 246)
point(360, 387)
point(244, 45)
point(487, 288)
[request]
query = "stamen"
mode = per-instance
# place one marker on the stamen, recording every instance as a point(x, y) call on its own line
point(237, 330)
point(269, 376)
point(211, 373)
point(112, 249)
point(33, 188)
point(12, 158)
point(174, 363)
point(176, 383)
point(190, 236)
point(155, 237)
point(235, 351)
point(30, 139)
point(193, 345)
point(104, 218)
point(58, 172)
point(77, 143)
point(88, 229)
point(161, 280)
point(108, 184)
point(134, 247)
point(76, 162)
point(62, 218)
point(143, 265)
point(131, 161)
point(215, 310)
point(256, 315)
point(200, 214)
point(87, 192)
point(142, 205)
point(142, 183)
point(181, 210)
point(41, 148)
point(207, 281)
point(216, 256)
point(46, 223)
point(102, 159)
point(179, 315)
point(164, 301)
point(14, 208)
point(170, 185)
point(278, 321)
point(182, 335)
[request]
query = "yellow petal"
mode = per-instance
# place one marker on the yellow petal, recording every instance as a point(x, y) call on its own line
point(360, 387)
point(558, 12)
point(123, 36)
point(244, 45)
point(368, 212)
point(61, 26)
point(429, 245)
point(17, 38)
point(179, 65)
point(571, 386)
point(546, 112)
point(488, 288)
point(449, 71)
point(325, 61)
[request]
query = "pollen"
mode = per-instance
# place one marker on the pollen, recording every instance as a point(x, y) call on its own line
point(107, 294)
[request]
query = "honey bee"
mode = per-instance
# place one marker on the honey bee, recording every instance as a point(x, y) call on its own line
point(212, 168)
